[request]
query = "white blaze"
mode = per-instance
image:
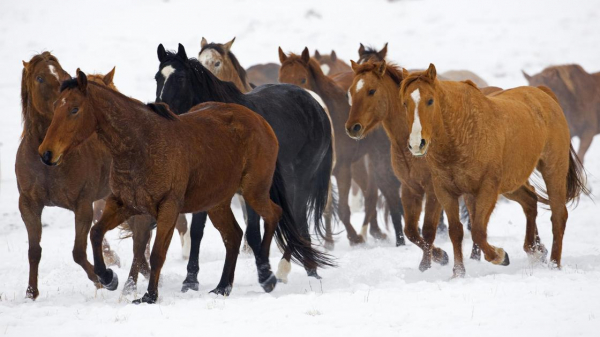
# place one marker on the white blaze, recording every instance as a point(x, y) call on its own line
point(349, 98)
point(325, 69)
point(359, 85)
point(166, 72)
point(415, 134)
point(53, 72)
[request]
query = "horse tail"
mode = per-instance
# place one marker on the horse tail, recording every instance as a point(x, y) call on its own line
point(287, 235)
point(321, 193)
point(576, 178)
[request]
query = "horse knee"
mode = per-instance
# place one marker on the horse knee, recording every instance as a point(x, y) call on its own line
point(79, 256)
point(411, 233)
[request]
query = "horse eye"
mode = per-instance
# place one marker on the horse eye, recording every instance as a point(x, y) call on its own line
point(303, 81)
point(218, 63)
point(39, 79)
point(430, 102)
point(372, 92)
point(74, 111)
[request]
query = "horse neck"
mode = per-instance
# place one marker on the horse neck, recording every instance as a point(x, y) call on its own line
point(234, 76)
point(395, 123)
point(35, 125)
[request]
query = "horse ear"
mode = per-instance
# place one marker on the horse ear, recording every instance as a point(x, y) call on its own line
point(108, 78)
point(380, 68)
point(431, 72)
point(203, 42)
point(361, 50)
point(282, 56)
point(383, 52)
point(404, 73)
point(354, 66)
point(305, 55)
point(162, 53)
point(82, 81)
point(181, 52)
point(229, 44)
point(25, 65)
point(317, 55)
point(527, 77)
point(333, 56)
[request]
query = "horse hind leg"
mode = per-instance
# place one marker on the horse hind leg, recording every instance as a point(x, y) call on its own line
point(469, 203)
point(343, 177)
point(141, 227)
point(193, 266)
point(110, 256)
point(527, 198)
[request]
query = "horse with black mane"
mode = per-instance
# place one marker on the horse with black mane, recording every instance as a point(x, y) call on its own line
point(302, 128)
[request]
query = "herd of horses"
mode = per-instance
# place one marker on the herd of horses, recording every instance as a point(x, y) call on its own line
point(276, 135)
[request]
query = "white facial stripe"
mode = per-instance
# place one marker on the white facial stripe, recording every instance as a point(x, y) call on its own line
point(415, 134)
point(350, 97)
point(325, 69)
point(359, 85)
point(63, 102)
point(166, 72)
point(53, 72)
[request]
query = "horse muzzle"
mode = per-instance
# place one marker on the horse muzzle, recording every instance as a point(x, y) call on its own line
point(419, 150)
point(355, 131)
point(48, 158)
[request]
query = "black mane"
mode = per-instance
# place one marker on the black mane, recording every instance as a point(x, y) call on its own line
point(207, 87)
point(162, 110)
point(369, 51)
point(236, 64)
point(68, 84)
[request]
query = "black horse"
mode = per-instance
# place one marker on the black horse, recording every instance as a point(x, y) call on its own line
point(301, 125)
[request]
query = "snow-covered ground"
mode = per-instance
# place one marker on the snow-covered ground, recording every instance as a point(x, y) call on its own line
point(377, 290)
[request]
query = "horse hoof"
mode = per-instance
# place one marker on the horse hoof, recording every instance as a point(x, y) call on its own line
point(113, 283)
point(269, 284)
point(147, 298)
point(475, 256)
point(329, 245)
point(442, 260)
point(220, 290)
point(313, 273)
point(190, 286)
point(32, 293)
point(400, 241)
point(458, 272)
point(130, 286)
point(378, 235)
point(424, 265)
point(506, 260)
point(357, 240)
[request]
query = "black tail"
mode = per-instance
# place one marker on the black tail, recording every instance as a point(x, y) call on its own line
point(321, 192)
point(287, 235)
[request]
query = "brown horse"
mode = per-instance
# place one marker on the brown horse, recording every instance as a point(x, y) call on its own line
point(305, 72)
point(483, 146)
point(375, 101)
point(331, 64)
point(219, 59)
point(165, 165)
point(139, 227)
point(260, 74)
point(579, 95)
point(75, 185)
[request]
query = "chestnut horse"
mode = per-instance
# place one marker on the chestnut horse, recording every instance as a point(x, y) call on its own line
point(82, 179)
point(482, 146)
point(305, 72)
point(375, 101)
point(139, 227)
point(331, 64)
point(165, 165)
point(219, 59)
point(579, 95)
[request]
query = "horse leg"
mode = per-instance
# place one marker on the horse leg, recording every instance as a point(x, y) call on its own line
point(585, 141)
point(433, 210)
point(441, 227)
point(84, 215)
point(114, 214)
point(31, 213)
point(184, 235)
point(224, 221)
point(450, 205)
point(168, 212)
point(111, 258)
point(485, 201)
point(343, 178)
point(141, 228)
point(246, 247)
point(554, 174)
point(328, 215)
point(469, 202)
point(412, 201)
point(193, 266)
point(528, 201)
point(390, 188)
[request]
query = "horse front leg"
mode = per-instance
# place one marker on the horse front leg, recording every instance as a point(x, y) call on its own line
point(343, 177)
point(31, 213)
point(193, 266)
point(84, 215)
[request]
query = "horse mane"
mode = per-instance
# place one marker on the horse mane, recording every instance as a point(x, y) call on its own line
point(413, 77)
point(162, 110)
point(207, 82)
point(42, 57)
point(236, 64)
point(391, 69)
point(69, 84)
point(368, 53)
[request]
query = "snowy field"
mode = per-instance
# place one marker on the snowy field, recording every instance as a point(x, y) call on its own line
point(378, 289)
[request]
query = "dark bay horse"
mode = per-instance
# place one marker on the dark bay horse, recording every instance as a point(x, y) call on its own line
point(375, 101)
point(81, 180)
point(483, 146)
point(304, 71)
point(579, 95)
point(302, 128)
point(165, 165)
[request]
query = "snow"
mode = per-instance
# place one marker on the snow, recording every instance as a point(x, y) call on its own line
point(378, 289)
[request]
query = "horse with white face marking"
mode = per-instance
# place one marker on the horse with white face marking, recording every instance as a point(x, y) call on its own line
point(219, 59)
point(331, 64)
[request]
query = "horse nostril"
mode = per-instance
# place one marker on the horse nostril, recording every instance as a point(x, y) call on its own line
point(423, 143)
point(357, 127)
point(409, 147)
point(47, 157)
